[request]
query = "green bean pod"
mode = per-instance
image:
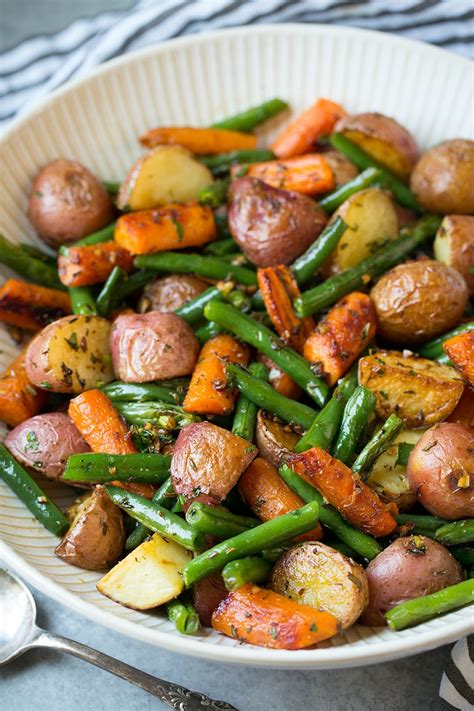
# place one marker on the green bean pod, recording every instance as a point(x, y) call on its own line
point(215, 194)
point(156, 518)
point(30, 494)
point(253, 117)
point(206, 266)
point(216, 521)
point(259, 336)
point(159, 414)
point(434, 349)
point(456, 532)
point(96, 468)
point(268, 534)
point(132, 283)
point(184, 616)
point(82, 301)
point(221, 248)
point(361, 543)
point(421, 609)
point(429, 523)
point(379, 443)
point(463, 554)
point(107, 299)
point(207, 331)
point(193, 311)
point(36, 270)
point(165, 496)
point(362, 181)
point(169, 391)
point(221, 163)
point(357, 411)
point(245, 413)
point(251, 569)
point(306, 265)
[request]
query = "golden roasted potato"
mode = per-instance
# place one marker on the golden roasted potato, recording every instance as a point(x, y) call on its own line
point(418, 390)
point(418, 300)
point(389, 478)
point(71, 355)
point(371, 222)
point(149, 576)
point(68, 202)
point(343, 170)
point(275, 441)
point(96, 536)
point(454, 246)
point(316, 575)
point(442, 179)
point(166, 174)
point(384, 139)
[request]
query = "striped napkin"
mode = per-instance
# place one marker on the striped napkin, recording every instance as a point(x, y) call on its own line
point(40, 65)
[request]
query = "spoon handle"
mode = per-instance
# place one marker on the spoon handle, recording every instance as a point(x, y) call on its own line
point(177, 697)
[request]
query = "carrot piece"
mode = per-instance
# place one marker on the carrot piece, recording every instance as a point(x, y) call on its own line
point(19, 399)
point(279, 380)
point(171, 227)
point(278, 288)
point(460, 350)
point(208, 392)
point(92, 263)
point(265, 492)
point(358, 503)
point(310, 174)
point(341, 336)
point(463, 413)
point(301, 135)
point(100, 424)
point(268, 619)
point(31, 306)
point(200, 141)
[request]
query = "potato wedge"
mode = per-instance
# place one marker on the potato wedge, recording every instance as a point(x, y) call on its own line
point(372, 222)
point(96, 536)
point(388, 478)
point(418, 390)
point(166, 174)
point(316, 575)
point(71, 355)
point(454, 246)
point(275, 441)
point(149, 576)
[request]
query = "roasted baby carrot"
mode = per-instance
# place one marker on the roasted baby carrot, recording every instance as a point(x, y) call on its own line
point(301, 135)
point(92, 264)
point(201, 141)
point(31, 306)
point(208, 392)
point(279, 380)
point(104, 431)
point(310, 174)
point(460, 350)
point(265, 492)
point(344, 490)
point(166, 228)
point(100, 423)
point(267, 619)
point(19, 399)
point(278, 288)
point(341, 336)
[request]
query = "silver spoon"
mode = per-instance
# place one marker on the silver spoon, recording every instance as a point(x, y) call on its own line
point(18, 633)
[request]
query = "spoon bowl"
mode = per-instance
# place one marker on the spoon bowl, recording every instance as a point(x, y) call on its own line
point(17, 617)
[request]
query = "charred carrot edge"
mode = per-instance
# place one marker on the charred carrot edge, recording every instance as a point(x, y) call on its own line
point(309, 174)
point(31, 306)
point(278, 288)
point(460, 350)
point(166, 228)
point(208, 392)
point(19, 399)
point(344, 490)
point(340, 337)
point(92, 264)
point(265, 492)
point(201, 141)
point(100, 424)
point(301, 135)
point(267, 619)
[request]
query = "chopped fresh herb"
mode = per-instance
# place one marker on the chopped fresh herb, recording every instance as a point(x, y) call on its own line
point(273, 632)
point(72, 341)
point(313, 627)
point(234, 631)
point(45, 385)
point(32, 442)
point(179, 229)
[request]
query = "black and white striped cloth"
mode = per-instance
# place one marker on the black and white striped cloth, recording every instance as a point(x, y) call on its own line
point(39, 65)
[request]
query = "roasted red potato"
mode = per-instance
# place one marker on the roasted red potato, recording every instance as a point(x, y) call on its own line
point(359, 504)
point(410, 567)
point(209, 460)
point(272, 226)
point(30, 306)
point(275, 441)
point(454, 246)
point(92, 264)
point(152, 346)
point(441, 470)
point(267, 619)
point(341, 336)
point(265, 492)
point(169, 293)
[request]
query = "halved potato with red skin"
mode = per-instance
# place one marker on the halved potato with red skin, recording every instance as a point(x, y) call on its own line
point(317, 575)
point(96, 536)
point(441, 471)
point(454, 246)
point(413, 566)
point(384, 139)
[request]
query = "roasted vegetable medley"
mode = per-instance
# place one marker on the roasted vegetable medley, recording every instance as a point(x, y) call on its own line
point(256, 366)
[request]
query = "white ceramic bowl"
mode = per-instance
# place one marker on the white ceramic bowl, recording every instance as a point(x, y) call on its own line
point(193, 81)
